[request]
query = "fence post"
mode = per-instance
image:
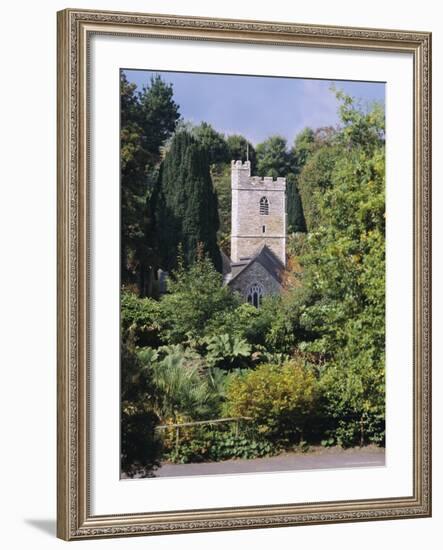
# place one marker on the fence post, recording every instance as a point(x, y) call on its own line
point(177, 438)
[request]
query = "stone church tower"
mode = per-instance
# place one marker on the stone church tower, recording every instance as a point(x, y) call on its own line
point(258, 234)
point(258, 213)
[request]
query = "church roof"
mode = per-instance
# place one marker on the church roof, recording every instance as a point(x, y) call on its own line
point(226, 263)
point(266, 258)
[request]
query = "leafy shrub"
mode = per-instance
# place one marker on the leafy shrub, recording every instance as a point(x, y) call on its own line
point(200, 444)
point(181, 387)
point(226, 351)
point(195, 297)
point(274, 326)
point(278, 398)
point(281, 332)
point(234, 321)
point(260, 324)
point(141, 448)
point(352, 401)
point(139, 319)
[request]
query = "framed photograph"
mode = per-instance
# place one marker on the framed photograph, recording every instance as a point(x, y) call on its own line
point(244, 301)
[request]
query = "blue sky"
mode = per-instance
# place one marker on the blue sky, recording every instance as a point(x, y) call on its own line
point(256, 106)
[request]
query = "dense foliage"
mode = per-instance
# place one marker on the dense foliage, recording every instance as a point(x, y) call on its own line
point(141, 447)
point(273, 158)
point(342, 288)
point(195, 301)
point(186, 209)
point(308, 364)
point(278, 398)
point(148, 118)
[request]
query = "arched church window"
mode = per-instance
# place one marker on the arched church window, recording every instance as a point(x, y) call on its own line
point(264, 206)
point(255, 294)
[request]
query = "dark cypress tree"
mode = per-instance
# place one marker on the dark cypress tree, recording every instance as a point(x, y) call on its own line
point(301, 151)
point(187, 209)
point(296, 218)
point(214, 143)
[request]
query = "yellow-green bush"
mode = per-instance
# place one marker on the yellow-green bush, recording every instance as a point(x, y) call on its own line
point(279, 398)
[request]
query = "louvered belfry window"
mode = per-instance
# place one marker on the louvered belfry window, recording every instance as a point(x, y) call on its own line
point(264, 206)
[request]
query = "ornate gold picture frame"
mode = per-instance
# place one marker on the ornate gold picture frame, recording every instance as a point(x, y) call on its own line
point(75, 516)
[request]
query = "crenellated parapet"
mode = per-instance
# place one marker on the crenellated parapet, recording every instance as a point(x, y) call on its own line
point(267, 182)
point(241, 178)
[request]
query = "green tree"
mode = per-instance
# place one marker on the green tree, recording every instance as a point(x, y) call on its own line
point(213, 142)
point(195, 300)
point(221, 177)
point(304, 184)
point(134, 158)
point(187, 212)
point(304, 144)
point(314, 179)
point(362, 129)
point(240, 149)
point(158, 114)
point(273, 158)
point(295, 217)
point(147, 119)
point(342, 296)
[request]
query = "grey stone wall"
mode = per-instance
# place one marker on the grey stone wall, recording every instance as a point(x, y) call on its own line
point(250, 228)
point(253, 274)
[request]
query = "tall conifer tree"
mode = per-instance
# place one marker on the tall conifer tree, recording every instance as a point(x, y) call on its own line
point(187, 210)
point(295, 217)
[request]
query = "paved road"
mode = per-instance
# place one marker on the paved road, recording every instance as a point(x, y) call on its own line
point(367, 457)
